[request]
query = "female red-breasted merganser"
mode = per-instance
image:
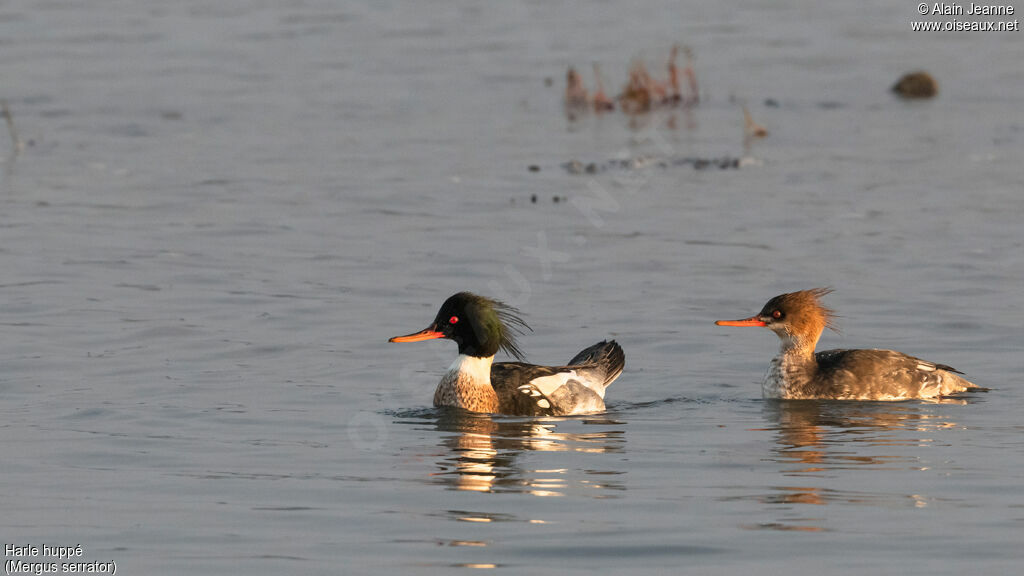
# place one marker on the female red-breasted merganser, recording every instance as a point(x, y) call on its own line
point(481, 327)
point(798, 318)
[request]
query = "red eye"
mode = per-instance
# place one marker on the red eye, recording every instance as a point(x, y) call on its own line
point(777, 314)
point(453, 320)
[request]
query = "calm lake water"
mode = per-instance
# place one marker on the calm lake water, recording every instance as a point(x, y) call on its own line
point(223, 210)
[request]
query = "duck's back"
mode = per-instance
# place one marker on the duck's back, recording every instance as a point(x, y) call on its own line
point(576, 388)
point(882, 375)
point(513, 382)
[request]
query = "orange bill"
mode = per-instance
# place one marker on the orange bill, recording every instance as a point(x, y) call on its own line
point(752, 321)
point(428, 334)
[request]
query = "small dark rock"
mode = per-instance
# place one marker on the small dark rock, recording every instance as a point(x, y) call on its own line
point(916, 85)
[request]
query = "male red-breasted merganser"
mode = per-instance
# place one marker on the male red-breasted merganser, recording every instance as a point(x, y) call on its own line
point(481, 327)
point(798, 318)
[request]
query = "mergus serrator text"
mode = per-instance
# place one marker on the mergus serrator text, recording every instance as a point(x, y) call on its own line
point(481, 327)
point(798, 372)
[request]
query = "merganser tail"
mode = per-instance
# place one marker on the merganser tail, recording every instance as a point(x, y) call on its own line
point(576, 388)
point(601, 363)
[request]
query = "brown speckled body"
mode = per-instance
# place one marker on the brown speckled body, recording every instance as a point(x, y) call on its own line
point(467, 384)
point(459, 389)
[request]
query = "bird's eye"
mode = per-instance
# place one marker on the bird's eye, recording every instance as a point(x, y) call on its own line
point(777, 314)
point(453, 320)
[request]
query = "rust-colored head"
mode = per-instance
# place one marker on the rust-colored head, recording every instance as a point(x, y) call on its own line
point(797, 317)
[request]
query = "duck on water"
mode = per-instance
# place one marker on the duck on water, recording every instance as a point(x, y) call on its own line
point(798, 372)
point(481, 327)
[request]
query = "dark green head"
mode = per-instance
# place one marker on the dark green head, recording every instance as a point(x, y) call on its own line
point(480, 326)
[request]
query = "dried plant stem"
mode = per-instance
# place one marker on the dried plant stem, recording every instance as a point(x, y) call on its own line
point(9, 118)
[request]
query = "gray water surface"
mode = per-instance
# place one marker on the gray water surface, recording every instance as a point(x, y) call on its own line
point(223, 210)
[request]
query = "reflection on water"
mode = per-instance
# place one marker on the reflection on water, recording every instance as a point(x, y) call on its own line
point(484, 453)
point(823, 436)
point(816, 439)
point(472, 454)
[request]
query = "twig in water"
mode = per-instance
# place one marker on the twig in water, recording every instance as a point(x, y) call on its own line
point(750, 128)
point(6, 111)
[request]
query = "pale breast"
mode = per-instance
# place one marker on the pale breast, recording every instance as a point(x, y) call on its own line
point(773, 385)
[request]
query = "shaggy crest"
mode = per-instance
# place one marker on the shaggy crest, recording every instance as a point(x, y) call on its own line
point(511, 325)
point(807, 301)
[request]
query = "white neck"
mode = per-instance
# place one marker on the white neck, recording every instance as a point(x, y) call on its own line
point(477, 369)
point(796, 346)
